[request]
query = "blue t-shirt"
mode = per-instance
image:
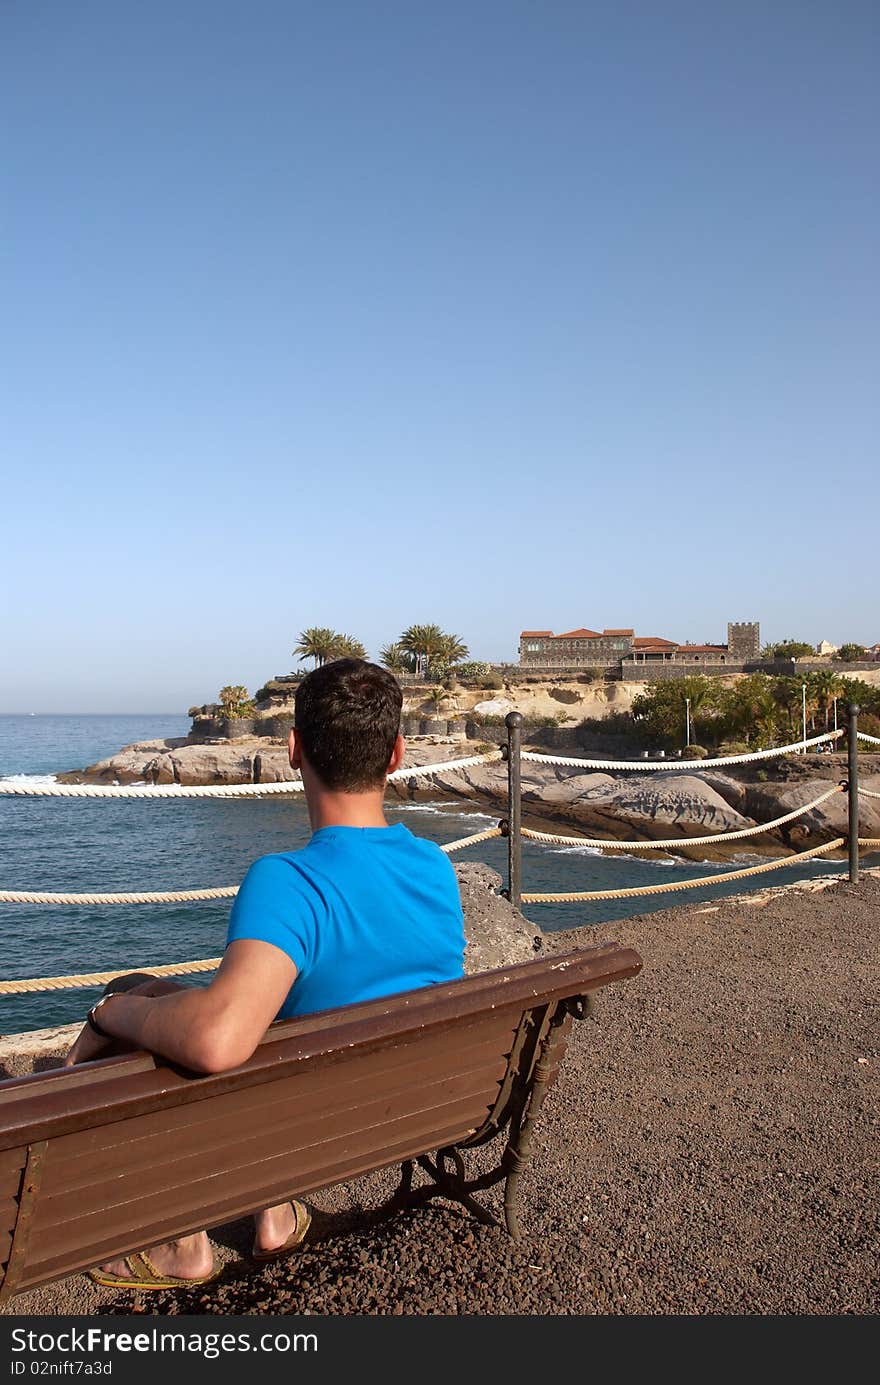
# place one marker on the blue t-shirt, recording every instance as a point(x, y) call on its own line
point(362, 912)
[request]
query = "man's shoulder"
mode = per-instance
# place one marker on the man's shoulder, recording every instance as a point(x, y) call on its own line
point(277, 870)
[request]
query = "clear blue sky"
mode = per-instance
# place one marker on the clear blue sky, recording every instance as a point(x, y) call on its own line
point(497, 314)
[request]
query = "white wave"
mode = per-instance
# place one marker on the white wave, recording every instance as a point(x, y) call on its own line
point(615, 856)
point(442, 810)
point(573, 850)
point(28, 779)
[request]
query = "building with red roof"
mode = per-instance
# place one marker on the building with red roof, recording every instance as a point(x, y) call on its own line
point(622, 653)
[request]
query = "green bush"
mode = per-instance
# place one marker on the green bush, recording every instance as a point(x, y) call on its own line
point(240, 711)
point(870, 724)
point(616, 724)
point(475, 669)
point(694, 752)
point(733, 748)
point(491, 682)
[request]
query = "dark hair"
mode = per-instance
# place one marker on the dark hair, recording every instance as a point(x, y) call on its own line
point(348, 718)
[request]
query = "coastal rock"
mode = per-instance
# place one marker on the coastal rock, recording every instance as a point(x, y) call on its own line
point(497, 934)
point(251, 760)
point(831, 819)
point(645, 806)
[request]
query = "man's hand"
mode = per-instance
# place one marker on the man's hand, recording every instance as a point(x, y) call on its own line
point(88, 1046)
point(206, 1029)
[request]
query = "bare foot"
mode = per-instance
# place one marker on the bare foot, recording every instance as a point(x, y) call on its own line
point(273, 1226)
point(189, 1257)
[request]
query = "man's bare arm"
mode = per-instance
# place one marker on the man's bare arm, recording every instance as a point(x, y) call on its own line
point(205, 1029)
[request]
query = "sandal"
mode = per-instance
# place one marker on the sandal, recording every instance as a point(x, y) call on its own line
point(294, 1240)
point(144, 1275)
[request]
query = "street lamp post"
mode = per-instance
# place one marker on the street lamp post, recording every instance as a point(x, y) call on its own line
point(804, 697)
point(835, 713)
point(687, 720)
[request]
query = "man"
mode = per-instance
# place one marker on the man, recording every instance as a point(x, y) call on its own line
point(364, 910)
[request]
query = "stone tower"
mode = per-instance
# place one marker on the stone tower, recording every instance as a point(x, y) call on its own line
point(744, 640)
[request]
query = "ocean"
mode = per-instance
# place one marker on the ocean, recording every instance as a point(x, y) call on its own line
point(124, 845)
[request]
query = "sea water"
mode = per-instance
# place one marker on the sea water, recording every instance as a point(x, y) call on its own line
point(116, 845)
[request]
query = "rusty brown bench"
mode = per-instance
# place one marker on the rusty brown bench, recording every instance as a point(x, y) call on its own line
point(115, 1155)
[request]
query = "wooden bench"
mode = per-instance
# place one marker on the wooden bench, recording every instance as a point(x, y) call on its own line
point(123, 1153)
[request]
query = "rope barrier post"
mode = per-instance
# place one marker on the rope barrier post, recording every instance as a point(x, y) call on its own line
point(853, 790)
point(513, 722)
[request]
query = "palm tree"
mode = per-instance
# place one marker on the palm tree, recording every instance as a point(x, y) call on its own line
point(787, 695)
point(425, 642)
point(698, 691)
point(347, 647)
point(824, 687)
point(316, 643)
point(395, 658)
point(452, 651)
point(232, 696)
point(751, 710)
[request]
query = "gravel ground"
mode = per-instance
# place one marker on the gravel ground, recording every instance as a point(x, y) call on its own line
point(710, 1147)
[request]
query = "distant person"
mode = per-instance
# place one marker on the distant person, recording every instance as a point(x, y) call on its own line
point(364, 910)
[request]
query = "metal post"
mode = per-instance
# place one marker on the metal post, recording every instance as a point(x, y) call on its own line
point(804, 696)
point(853, 791)
point(687, 720)
point(513, 722)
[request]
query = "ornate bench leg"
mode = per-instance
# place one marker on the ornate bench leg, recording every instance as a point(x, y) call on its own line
point(519, 1145)
point(511, 1206)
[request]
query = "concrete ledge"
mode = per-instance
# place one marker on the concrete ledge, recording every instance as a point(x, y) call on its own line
point(36, 1050)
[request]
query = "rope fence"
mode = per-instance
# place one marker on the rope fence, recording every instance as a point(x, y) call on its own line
point(100, 978)
point(134, 897)
point(486, 836)
point(577, 896)
point(638, 766)
point(671, 842)
point(183, 896)
point(445, 766)
point(863, 736)
point(23, 789)
point(868, 793)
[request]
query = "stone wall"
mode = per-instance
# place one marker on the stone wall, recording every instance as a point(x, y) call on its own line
point(650, 673)
point(563, 738)
point(655, 673)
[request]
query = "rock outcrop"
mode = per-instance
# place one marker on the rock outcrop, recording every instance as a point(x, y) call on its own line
point(497, 934)
point(250, 760)
point(625, 807)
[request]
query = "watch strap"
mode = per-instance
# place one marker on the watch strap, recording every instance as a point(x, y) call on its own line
point(92, 1022)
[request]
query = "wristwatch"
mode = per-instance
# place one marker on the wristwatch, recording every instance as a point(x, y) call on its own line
point(93, 1023)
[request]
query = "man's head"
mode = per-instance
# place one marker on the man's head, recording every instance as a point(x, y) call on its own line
point(347, 716)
